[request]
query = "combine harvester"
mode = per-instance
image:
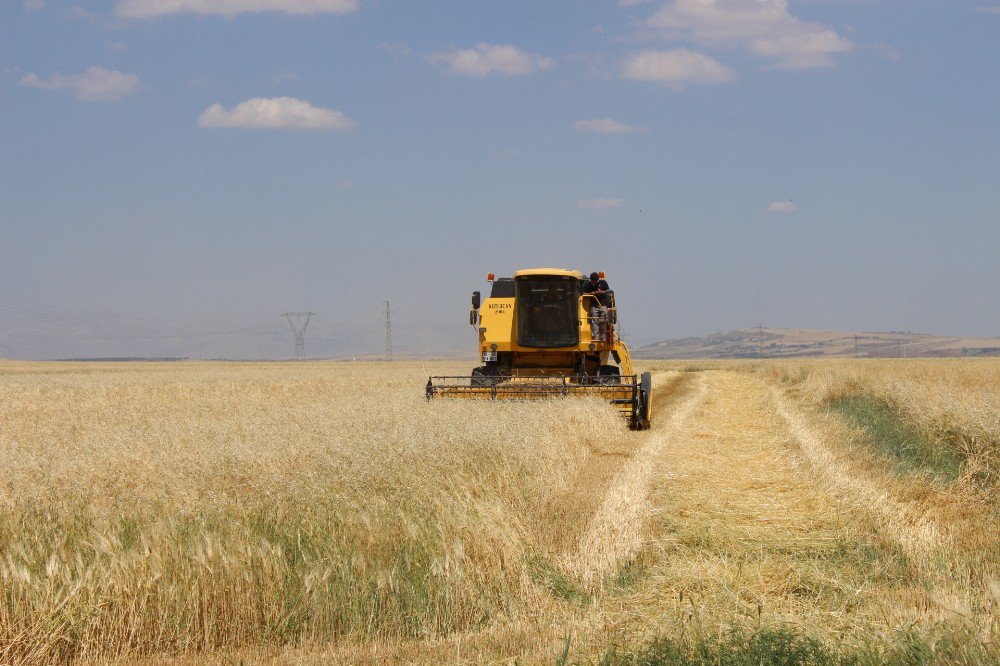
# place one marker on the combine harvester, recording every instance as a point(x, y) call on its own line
point(536, 342)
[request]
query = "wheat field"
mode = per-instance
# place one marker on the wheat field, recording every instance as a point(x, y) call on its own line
point(792, 511)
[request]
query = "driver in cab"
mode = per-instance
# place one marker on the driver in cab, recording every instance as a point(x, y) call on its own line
point(546, 308)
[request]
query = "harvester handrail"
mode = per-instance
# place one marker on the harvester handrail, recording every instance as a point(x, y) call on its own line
point(605, 316)
point(599, 304)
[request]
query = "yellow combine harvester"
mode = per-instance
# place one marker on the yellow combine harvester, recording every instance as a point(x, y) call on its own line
point(536, 341)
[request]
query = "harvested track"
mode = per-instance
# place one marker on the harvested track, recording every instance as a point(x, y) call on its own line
point(617, 529)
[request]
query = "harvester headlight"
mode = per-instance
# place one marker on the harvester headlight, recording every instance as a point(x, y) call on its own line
point(493, 346)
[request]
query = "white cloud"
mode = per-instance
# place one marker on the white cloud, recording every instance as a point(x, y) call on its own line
point(284, 77)
point(889, 52)
point(988, 10)
point(277, 112)
point(803, 50)
point(33, 5)
point(115, 46)
point(94, 85)
point(142, 9)
point(606, 126)
point(401, 49)
point(487, 58)
point(346, 184)
point(603, 202)
point(764, 27)
point(676, 67)
point(78, 13)
point(782, 206)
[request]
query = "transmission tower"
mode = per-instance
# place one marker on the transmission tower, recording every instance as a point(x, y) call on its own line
point(299, 322)
point(388, 332)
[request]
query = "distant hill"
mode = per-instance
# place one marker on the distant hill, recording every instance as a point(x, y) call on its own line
point(803, 342)
point(125, 359)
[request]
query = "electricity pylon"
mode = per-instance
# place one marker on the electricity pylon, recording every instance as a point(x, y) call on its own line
point(299, 326)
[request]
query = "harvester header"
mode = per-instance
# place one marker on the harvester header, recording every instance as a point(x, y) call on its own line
point(548, 332)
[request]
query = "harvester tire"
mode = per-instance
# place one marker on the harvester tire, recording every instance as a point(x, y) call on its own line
point(482, 377)
point(646, 397)
point(608, 374)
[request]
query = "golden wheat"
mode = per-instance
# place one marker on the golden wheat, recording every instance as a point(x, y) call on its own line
point(198, 507)
point(327, 512)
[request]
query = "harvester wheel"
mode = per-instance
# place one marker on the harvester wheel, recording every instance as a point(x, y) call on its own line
point(646, 400)
point(608, 374)
point(482, 377)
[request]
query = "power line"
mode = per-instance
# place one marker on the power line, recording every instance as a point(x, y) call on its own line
point(388, 332)
point(179, 336)
point(85, 317)
point(299, 330)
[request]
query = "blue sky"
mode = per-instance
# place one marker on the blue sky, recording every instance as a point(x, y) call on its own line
point(174, 174)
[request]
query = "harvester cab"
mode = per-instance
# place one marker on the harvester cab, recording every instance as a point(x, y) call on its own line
point(541, 336)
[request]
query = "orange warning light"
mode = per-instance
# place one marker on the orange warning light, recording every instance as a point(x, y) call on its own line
point(601, 275)
point(490, 277)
